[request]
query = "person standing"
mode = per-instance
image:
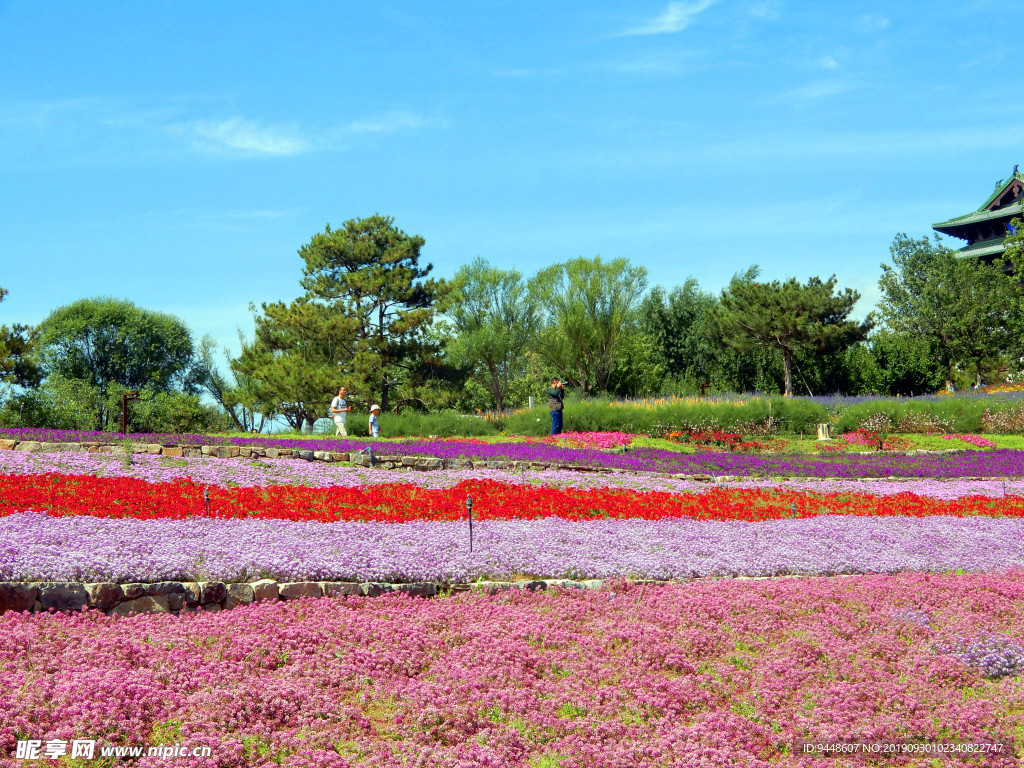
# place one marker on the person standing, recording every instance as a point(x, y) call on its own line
point(556, 395)
point(339, 412)
point(374, 426)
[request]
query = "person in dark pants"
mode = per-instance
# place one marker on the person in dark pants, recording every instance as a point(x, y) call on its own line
point(556, 394)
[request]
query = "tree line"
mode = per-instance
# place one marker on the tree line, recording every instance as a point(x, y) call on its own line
point(371, 316)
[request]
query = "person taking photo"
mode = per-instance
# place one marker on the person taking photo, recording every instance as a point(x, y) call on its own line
point(556, 396)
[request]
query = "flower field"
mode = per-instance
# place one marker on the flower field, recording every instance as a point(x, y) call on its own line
point(728, 673)
point(903, 622)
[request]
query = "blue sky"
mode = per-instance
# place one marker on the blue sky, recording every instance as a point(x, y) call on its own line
point(178, 154)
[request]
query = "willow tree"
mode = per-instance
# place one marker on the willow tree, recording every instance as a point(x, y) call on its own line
point(590, 306)
point(495, 318)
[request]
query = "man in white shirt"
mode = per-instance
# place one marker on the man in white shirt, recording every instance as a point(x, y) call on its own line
point(339, 411)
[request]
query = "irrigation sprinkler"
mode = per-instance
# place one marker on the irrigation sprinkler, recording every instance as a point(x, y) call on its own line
point(794, 509)
point(469, 511)
point(206, 499)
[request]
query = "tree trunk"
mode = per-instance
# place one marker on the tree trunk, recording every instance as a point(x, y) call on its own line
point(787, 365)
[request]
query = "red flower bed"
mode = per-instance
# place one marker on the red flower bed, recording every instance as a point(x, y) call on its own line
point(719, 439)
point(60, 494)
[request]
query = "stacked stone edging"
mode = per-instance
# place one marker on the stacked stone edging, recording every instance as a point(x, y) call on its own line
point(183, 596)
point(407, 463)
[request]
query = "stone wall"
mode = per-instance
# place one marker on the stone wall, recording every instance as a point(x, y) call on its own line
point(182, 596)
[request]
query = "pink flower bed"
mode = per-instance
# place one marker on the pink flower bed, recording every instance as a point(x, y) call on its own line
point(706, 674)
point(972, 439)
point(591, 439)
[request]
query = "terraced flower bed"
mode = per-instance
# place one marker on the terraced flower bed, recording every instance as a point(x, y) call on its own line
point(726, 673)
point(920, 641)
point(459, 454)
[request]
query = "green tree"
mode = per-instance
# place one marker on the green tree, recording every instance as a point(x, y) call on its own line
point(19, 355)
point(589, 305)
point(369, 273)
point(789, 317)
point(1013, 256)
point(364, 320)
point(19, 345)
point(109, 340)
point(93, 344)
point(679, 323)
point(970, 312)
point(291, 367)
point(907, 364)
point(495, 318)
point(239, 398)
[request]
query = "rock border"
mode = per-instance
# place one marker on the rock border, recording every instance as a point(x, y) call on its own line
point(178, 597)
point(408, 463)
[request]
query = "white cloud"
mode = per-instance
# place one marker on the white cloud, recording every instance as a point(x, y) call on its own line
point(247, 137)
point(829, 63)
point(391, 122)
point(819, 89)
point(873, 22)
point(767, 9)
point(676, 18)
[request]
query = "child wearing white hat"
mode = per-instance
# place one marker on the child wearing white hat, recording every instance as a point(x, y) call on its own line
point(374, 427)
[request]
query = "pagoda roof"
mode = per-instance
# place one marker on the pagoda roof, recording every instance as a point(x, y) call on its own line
point(982, 214)
point(988, 211)
point(984, 248)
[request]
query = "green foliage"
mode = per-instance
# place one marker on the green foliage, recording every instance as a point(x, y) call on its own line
point(410, 423)
point(19, 355)
point(368, 276)
point(637, 369)
point(109, 341)
point(962, 415)
point(241, 399)
point(590, 307)
point(679, 326)
point(362, 322)
point(291, 366)
point(790, 317)
point(971, 313)
point(1014, 253)
point(905, 364)
point(495, 318)
point(787, 414)
point(63, 403)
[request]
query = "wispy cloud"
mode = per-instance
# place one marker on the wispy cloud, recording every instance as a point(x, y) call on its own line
point(829, 62)
point(819, 89)
point(873, 22)
point(676, 18)
point(90, 130)
point(245, 136)
point(391, 122)
point(766, 9)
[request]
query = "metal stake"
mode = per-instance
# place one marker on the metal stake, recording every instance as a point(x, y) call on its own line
point(206, 499)
point(469, 511)
point(124, 409)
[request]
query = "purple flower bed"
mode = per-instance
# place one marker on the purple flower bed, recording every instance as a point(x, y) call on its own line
point(1000, 463)
point(264, 472)
point(39, 547)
